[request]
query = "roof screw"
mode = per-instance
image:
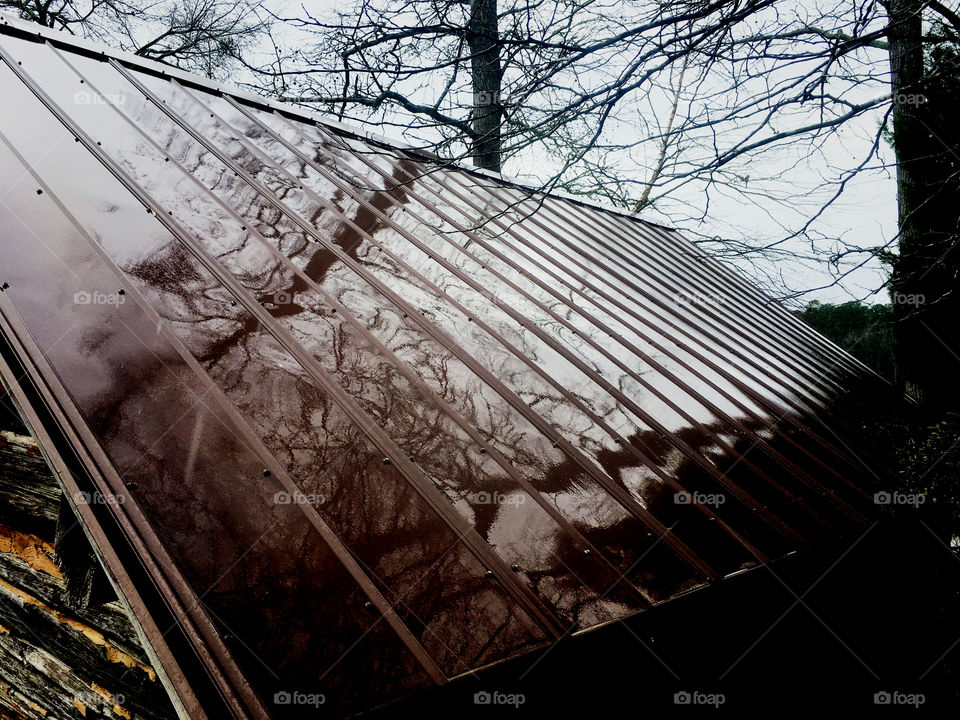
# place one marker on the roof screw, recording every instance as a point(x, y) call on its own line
point(266, 473)
point(556, 445)
point(4, 286)
point(386, 461)
point(413, 459)
point(488, 574)
point(39, 191)
point(121, 291)
point(588, 552)
point(483, 451)
point(131, 484)
point(368, 604)
point(515, 567)
point(228, 636)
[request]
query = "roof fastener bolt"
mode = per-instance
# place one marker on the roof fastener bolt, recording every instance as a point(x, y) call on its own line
point(131, 484)
point(515, 567)
point(413, 459)
point(368, 604)
point(386, 461)
point(483, 451)
point(588, 552)
point(266, 473)
point(4, 286)
point(556, 445)
point(488, 574)
point(121, 291)
point(39, 191)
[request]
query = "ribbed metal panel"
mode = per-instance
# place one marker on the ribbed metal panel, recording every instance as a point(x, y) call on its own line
point(372, 421)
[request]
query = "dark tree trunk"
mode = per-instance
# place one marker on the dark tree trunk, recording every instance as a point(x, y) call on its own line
point(924, 282)
point(484, 40)
point(906, 79)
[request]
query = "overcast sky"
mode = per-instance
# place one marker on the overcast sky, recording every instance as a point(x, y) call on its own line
point(864, 216)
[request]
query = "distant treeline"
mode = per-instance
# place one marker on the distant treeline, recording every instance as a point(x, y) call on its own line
point(865, 331)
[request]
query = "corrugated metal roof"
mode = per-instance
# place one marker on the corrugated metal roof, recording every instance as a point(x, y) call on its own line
point(371, 421)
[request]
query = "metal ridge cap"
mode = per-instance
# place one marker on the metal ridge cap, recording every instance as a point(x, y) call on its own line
point(24, 28)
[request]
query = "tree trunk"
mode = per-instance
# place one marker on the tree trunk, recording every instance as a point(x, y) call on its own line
point(906, 78)
point(484, 40)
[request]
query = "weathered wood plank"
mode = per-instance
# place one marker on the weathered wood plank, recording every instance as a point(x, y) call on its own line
point(110, 619)
point(49, 656)
point(29, 493)
point(87, 585)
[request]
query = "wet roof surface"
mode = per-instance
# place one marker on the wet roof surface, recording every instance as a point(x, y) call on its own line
point(374, 421)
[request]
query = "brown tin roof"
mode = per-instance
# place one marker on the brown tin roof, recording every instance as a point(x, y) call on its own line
point(369, 421)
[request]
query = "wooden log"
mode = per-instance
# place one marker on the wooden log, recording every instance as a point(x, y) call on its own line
point(87, 585)
point(51, 657)
point(29, 492)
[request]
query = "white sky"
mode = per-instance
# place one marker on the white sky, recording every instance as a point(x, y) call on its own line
point(865, 215)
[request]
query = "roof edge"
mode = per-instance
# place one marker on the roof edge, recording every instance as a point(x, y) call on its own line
point(23, 28)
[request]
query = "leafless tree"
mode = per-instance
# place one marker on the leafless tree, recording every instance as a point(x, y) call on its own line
point(636, 102)
point(204, 36)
